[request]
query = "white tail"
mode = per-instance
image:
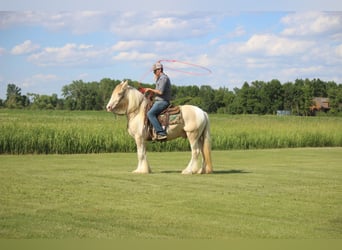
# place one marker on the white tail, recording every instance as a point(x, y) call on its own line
point(206, 150)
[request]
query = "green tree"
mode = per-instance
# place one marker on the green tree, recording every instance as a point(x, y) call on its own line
point(259, 98)
point(319, 88)
point(273, 97)
point(74, 95)
point(207, 95)
point(335, 97)
point(104, 90)
point(223, 99)
point(236, 107)
point(14, 99)
point(44, 101)
point(289, 102)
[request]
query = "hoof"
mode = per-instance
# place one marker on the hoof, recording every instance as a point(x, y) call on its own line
point(209, 171)
point(140, 172)
point(201, 171)
point(186, 172)
point(204, 171)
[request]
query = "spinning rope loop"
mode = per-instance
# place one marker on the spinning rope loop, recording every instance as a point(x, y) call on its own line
point(202, 70)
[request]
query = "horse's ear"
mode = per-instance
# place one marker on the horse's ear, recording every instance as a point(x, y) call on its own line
point(124, 84)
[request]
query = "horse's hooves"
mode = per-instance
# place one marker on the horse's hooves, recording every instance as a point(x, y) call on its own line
point(139, 172)
point(209, 171)
point(204, 171)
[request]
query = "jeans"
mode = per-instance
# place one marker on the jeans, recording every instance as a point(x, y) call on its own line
point(152, 114)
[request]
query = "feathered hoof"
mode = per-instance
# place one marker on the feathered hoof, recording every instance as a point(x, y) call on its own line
point(187, 172)
point(204, 171)
point(141, 172)
point(200, 171)
point(209, 170)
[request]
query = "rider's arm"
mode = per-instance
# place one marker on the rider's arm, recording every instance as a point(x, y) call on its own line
point(155, 91)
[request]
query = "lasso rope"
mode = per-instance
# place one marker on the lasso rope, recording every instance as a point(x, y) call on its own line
point(203, 70)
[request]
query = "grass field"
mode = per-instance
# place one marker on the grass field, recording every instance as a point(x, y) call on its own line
point(273, 193)
point(69, 132)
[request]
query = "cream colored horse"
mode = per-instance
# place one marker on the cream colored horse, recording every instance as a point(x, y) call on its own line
point(126, 100)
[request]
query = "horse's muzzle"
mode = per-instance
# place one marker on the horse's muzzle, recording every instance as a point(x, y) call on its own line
point(109, 108)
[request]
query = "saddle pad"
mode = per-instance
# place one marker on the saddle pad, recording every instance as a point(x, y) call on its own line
point(166, 120)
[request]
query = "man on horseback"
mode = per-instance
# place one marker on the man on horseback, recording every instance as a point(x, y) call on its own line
point(161, 101)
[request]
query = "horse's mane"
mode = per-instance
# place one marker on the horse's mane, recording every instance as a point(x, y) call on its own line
point(135, 98)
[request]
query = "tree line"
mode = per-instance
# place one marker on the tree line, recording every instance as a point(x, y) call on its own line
point(257, 97)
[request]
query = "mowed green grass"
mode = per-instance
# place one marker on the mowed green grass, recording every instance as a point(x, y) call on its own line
point(273, 193)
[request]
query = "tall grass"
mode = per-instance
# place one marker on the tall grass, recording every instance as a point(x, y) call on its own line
point(67, 132)
point(255, 132)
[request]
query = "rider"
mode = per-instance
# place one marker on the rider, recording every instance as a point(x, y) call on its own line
point(161, 101)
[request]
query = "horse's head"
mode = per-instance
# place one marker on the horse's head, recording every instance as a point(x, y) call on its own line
point(118, 102)
point(125, 99)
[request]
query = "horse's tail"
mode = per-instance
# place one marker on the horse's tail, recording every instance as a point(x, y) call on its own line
point(207, 146)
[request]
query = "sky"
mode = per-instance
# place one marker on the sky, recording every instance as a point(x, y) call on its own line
point(43, 48)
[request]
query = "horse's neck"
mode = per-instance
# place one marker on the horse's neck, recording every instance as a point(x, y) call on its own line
point(140, 111)
point(143, 105)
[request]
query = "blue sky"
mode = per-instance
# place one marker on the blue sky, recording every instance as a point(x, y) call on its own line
point(43, 48)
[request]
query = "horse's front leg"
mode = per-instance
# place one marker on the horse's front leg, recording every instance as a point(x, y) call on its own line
point(143, 165)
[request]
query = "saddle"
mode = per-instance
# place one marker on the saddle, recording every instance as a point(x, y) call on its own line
point(170, 116)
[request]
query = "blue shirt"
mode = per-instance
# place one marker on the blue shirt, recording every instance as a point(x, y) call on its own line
point(163, 84)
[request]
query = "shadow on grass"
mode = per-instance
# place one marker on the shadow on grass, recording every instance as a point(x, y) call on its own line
point(231, 171)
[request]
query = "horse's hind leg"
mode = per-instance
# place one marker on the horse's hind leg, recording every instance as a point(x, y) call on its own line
point(202, 169)
point(195, 152)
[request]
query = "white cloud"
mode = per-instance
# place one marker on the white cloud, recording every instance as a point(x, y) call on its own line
point(152, 50)
point(273, 45)
point(239, 31)
point(24, 48)
point(303, 44)
point(245, 5)
point(73, 54)
point(161, 26)
point(125, 25)
point(339, 50)
point(302, 71)
point(78, 22)
point(284, 55)
point(26, 18)
point(44, 77)
point(68, 55)
point(312, 23)
point(128, 45)
point(38, 79)
point(82, 76)
point(85, 46)
point(134, 56)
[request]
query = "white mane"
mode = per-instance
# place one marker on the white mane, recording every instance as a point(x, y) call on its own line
point(134, 98)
